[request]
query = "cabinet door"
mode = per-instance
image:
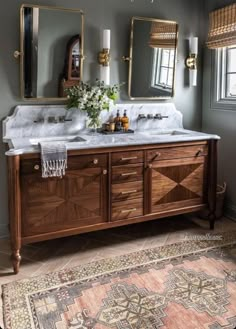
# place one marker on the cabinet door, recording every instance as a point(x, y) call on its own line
point(50, 205)
point(178, 183)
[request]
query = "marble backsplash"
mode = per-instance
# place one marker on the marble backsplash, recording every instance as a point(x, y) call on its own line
point(32, 120)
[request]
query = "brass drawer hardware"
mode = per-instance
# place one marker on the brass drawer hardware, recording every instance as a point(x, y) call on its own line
point(130, 158)
point(36, 167)
point(104, 172)
point(128, 210)
point(158, 154)
point(128, 192)
point(129, 173)
point(95, 161)
point(199, 152)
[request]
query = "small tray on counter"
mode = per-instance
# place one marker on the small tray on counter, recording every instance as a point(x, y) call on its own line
point(120, 132)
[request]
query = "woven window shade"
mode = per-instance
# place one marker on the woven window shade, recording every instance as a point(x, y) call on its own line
point(222, 30)
point(163, 35)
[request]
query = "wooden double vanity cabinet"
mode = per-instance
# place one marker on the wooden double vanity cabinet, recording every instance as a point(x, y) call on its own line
point(109, 187)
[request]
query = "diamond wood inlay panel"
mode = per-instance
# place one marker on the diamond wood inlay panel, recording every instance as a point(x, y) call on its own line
point(75, 200)
point(177, 181)
point(193, 181)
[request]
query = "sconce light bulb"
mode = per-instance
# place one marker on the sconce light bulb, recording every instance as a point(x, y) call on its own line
point(193, 78)
point(105, 74)
point(193, 45)
point(106, 39)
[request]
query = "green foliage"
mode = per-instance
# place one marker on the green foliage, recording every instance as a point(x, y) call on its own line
point(92, 99)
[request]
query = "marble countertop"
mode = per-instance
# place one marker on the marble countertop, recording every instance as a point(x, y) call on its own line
point(28, 145)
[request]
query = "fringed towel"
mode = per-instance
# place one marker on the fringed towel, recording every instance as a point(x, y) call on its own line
point(53, 159)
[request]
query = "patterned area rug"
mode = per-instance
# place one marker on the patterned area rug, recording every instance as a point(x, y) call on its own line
point(187, 285)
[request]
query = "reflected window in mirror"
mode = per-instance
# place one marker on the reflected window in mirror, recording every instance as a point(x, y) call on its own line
point(163, 69)
point(75, 60)
point(152, 58)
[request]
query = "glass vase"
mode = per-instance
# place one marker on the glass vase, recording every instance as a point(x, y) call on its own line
point(93, 125)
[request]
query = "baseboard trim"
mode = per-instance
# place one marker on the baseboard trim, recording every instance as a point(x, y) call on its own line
point(4, 232)
point(230, 211)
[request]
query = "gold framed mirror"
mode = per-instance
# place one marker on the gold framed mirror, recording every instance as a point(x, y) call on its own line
point(152, 58)
point(44, 35)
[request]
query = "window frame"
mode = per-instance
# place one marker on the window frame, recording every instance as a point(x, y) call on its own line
point(219, 98)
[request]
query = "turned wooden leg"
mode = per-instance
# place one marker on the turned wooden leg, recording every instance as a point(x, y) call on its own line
point(16, 258)
point(212, 182)
point(14, 205)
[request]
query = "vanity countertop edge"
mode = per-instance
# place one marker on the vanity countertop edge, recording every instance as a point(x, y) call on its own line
point(111, 141)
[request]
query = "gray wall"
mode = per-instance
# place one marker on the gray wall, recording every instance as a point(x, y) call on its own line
point(221, 122)
point(100, 14)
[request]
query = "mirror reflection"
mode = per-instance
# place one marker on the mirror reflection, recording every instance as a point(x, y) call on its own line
point(71, 73)
point(51, 48)
point(75, 60)
point(152, 58)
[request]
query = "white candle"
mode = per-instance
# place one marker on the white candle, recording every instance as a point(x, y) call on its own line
point(105, 74)
point(193, 45)
point(106, 39)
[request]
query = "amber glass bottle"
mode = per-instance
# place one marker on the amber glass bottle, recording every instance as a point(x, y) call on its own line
point(117, 121)
point(125, 121)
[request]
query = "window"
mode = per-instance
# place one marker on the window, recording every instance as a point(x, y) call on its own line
point(230, 74)
point(224, 77)
point(163, 68)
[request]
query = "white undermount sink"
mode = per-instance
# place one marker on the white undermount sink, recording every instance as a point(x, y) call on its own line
point(166, 133)
point(68, 139)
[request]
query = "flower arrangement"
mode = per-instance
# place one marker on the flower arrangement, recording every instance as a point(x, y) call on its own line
point(93, 99)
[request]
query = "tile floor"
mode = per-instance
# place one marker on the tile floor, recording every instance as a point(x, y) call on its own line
point(43, 257)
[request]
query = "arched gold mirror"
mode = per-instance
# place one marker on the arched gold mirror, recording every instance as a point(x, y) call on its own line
point(45, 35)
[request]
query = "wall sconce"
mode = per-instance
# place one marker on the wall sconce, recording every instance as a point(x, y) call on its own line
point(104, 57)
point(191, 61)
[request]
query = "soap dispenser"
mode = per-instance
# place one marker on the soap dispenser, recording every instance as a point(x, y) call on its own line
point(125, 121)
point(117, 120)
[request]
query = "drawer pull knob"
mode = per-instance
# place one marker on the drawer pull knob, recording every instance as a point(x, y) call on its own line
point(150, 166)
point(36, 167)
point(199, 152)
point(104, 172)
point(95, 161)
point(128, 210)
point(158, 154)
point(129, 173)
point(128, 192)
point(130, 158)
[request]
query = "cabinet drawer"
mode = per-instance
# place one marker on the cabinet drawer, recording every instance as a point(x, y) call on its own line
point(127, 173)
point(127, 191)
point(127, 209)
point(177, 152)
point(30, 166)
point(120, 158)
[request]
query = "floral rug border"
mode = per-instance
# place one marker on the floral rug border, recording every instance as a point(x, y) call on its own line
point(108, 266)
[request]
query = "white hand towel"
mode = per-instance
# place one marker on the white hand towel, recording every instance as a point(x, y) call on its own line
point(53, 159)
